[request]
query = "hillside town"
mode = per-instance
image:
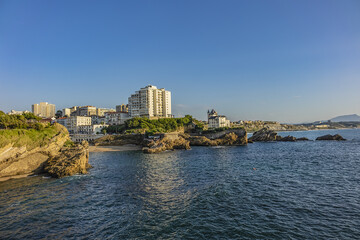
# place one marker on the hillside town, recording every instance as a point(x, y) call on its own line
point(88, 122)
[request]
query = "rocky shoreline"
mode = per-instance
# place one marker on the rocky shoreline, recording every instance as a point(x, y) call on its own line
point(59, 158)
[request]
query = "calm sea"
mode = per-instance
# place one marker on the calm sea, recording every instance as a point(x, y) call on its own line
point(301, 190)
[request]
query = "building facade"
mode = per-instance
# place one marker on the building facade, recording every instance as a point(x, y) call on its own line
point(44, 109)
point(150, 102)
point(217, 121)
point(122, 108)
point(116, 118)
point(73, 123)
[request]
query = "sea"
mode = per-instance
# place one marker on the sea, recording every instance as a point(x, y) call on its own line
point(274, 190)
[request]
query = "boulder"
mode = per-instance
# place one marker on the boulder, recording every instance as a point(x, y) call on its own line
point(335, 137)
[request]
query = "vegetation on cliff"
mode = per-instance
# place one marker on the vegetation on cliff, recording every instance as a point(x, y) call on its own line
point(24, 121)
point(145, 125)
point(31, 138)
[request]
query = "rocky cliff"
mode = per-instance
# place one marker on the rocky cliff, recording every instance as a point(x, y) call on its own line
point(70, 160)
point(30, 158)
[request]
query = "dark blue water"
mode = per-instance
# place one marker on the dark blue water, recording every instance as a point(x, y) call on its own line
point(284, 190)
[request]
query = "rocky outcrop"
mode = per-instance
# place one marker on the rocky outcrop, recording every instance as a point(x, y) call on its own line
point(120, 139)
point(264, 135)
point(335, 137)
point(20, 160)
point(226, 137)
point(71, 160)
point(286, 139)
point(169, 141)
point(267, 135)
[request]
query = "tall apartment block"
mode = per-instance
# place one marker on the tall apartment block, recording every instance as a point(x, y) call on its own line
point(150, 102)
point(44, 109)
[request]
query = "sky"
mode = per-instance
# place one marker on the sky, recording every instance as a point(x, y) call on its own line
point(288, 61)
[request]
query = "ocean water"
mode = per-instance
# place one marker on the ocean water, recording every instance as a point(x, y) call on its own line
point(283, 190)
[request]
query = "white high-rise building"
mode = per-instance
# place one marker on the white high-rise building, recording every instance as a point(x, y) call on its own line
point(150, 102)
point(44, 109)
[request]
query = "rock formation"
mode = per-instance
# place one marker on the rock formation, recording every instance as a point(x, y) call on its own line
point(167, 142)
point(227, 137)
point(266, 135)
point(335, 137)
point(22, 160)
point(70, 161)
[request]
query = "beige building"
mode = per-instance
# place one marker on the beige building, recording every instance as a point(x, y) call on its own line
point(217, 121)
point(150, 102)
point(122, 108)
point(44, 109)
point(101, 111)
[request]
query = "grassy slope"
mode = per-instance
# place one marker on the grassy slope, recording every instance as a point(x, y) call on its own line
point(30, 138)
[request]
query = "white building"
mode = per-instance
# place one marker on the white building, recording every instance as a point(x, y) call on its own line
point(217, 121)
point(150, 102)
point(44, 109)
point(14, 112)
point(73, 123)
point(116, 118)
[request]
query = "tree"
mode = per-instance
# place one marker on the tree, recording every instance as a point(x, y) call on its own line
point(58, 114)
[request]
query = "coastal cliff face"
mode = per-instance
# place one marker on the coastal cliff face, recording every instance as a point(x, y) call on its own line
point(30, 158)
point(70, 160)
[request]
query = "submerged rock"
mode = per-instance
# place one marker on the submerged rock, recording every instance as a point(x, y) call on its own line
point(335, 137)
point(72, 160)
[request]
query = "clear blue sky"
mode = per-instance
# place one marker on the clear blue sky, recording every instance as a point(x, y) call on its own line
point(290, 61)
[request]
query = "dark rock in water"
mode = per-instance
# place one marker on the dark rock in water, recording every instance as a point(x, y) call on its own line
point(264, 135)
point(287, 139)
point(335, 137)
point(302, 139)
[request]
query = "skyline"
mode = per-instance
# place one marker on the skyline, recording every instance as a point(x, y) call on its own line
point(284, 61)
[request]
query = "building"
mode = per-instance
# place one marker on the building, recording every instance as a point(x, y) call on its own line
point(116, 118)
point(122, 108)
point(14, 112)
point(44, 109)
point(86, 111)
point(62, 121)
point(217, 121)
point(150, 102)
point(101, 111)
point(73, 123)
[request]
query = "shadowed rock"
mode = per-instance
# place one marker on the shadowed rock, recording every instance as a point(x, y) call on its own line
point(72, 160)
point(329, 137)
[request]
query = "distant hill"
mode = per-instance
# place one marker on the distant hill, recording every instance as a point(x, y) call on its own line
point(346, 118)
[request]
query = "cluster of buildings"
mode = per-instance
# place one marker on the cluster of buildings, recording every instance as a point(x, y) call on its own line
point(149, 102)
